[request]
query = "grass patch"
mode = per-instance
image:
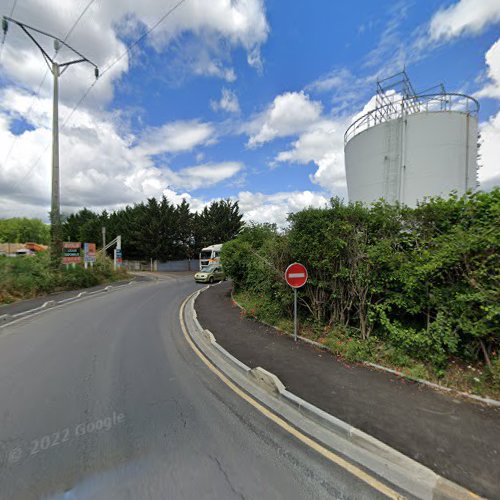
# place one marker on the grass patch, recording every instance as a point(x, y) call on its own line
point(28, 277)
point(346, 344)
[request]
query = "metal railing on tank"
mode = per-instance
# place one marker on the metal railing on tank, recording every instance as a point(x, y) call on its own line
point(410, 105)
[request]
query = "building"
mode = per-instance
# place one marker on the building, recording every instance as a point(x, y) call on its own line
point(17, 249)
point(412, 145)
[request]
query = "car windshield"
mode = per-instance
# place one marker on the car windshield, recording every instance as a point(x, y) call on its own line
point(209, 269)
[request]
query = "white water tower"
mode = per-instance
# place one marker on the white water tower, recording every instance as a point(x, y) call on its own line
point(412, 145)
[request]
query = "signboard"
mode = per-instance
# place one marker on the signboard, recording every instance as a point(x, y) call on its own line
point(118, 258)
point(296, 275)
point(89, 252)
point(71, 252)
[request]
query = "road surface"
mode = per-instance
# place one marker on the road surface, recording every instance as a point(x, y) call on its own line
point(104, 398)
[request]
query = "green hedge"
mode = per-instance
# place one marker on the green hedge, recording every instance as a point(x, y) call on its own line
point(425, 280)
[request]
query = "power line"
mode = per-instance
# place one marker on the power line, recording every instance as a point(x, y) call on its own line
point(13, 7)
point(106, 69)
point(37, 93)
point(143, 36)
point(4, 28)
point(119, 58)
point(68, 34)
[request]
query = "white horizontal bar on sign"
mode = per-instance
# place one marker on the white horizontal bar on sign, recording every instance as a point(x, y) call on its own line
point(296, 275)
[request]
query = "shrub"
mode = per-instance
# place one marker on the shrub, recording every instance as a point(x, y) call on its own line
point(426, 280)
point(25, 277)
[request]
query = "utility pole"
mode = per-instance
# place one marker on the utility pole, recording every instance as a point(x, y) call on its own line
point(103, 236)
point(57, 69)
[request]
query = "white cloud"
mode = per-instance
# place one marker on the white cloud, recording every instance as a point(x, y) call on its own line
point(335, 79)
point(489, 173)
point(490, 150)
point(100, 166)
point(176, 137)
point(322, 144)
point(204, 65)
point(219, 25)
point(206, 175)
point(228, 102)
point(274, 208)
point(290, 113)
point(468, 17)
point(493, 62)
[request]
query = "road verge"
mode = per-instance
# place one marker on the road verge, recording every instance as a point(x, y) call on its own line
point(7, 320)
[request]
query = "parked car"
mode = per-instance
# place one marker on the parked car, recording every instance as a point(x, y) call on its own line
point(210, 274)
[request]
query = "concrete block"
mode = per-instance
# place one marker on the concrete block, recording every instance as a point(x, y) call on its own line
point(267, 380)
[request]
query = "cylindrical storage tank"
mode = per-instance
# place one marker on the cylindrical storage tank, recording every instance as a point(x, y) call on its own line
point(412, 157)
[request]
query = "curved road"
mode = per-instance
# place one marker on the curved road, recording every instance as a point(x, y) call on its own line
point(104, 398)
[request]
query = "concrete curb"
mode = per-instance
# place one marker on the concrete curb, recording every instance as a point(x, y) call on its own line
point(11, 319)
point(432, 385)
point(267, 380)
point(422, 478)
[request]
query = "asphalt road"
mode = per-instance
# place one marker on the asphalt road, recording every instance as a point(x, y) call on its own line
point(103, 398)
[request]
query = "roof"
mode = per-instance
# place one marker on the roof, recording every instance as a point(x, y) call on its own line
point(213, 247)
point(15, 247)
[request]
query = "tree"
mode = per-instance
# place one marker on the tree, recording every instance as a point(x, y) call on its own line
point(22, 230)
point(219, 222)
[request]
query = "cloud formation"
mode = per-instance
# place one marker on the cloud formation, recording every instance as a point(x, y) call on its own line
point(289, 113)
point(101, 166)
point(176, 137)
point(466, 17)
point(228, 102)
point(259, 207)
point(492, 57)
point(218, 25)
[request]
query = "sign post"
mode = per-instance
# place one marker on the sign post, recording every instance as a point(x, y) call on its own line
point(296, 277)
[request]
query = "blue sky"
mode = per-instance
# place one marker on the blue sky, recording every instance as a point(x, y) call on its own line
point(246, 99)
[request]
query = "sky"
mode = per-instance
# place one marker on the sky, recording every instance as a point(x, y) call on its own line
point(241, 99)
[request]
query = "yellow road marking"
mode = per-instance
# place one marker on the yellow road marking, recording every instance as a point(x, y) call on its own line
point(352, 469)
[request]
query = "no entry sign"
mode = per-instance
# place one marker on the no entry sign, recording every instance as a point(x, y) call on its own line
point(296, 275)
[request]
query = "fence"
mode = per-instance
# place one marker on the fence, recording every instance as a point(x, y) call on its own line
point(168, 266)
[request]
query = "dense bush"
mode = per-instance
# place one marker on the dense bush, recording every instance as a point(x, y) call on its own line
point(424, 280)
point(25, 277)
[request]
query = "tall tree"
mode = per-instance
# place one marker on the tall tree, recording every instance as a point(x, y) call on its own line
point(22, 230)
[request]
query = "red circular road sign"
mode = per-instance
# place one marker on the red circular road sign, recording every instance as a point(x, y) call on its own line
point(296, 275)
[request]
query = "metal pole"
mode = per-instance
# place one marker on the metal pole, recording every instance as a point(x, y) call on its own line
point(55, 143)
point(57, 69)
point(55, 202)
point(295, 314)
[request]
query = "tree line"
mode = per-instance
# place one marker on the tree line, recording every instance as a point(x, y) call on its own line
point(158, 229)
point(22, 230)
point(426, 280)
